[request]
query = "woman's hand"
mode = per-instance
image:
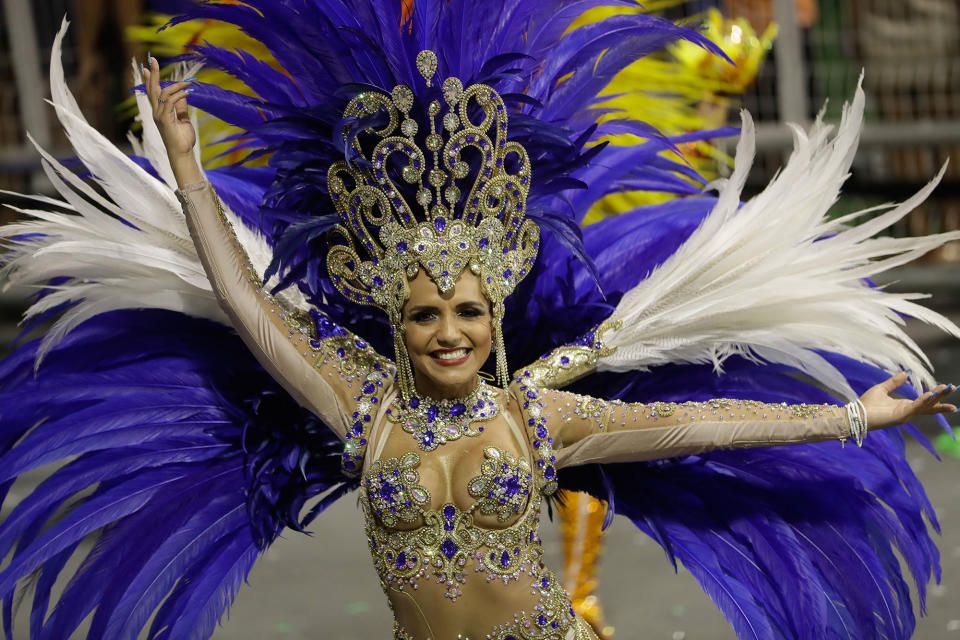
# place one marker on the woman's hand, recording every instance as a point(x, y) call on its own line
point(885, 411)
point(170, 111)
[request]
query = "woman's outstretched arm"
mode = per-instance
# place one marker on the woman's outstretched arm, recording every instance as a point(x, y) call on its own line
point(589, 430)
point(325, 368)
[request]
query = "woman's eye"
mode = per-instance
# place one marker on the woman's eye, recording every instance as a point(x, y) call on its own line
point(422, 316)
point(471, 312)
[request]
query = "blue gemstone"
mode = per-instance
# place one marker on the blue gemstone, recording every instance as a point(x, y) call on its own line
point(369, 388)
point(432, 413)
point(549, 473)
point(541, 431)
point(402, 559)
point(564, 360)
point(357, 428)
point(427, 438)
point(505, 559)
point(507, 273)
point(449, 548)
point(458, 409)
point(387, 490)
point(483, 243)
point(440, 224)
point(542, 620)
point(401, 246)
point(512, 485)
point(378, 282)
point(532, 394)
point(545, 583)
point(414, 402)
point(449, 511)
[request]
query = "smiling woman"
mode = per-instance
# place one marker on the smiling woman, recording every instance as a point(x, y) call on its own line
point(448, 335)
point(202, 452)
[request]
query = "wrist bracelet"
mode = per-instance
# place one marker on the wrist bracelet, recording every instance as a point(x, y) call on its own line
point(857, 415)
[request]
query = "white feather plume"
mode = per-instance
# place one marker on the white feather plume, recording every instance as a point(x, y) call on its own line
point(775, 280)
point(128, 250)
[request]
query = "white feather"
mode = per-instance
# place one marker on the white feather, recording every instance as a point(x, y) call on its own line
point(128, 250)
point(775, 280)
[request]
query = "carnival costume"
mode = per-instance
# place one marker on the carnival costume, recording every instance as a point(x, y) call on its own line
point(461, 139)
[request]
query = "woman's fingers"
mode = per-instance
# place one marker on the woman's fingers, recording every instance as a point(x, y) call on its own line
point(162, 98)
point(893, 383)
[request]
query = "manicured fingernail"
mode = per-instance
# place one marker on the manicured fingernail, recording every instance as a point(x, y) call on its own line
point(189, 79)
point(190, 90)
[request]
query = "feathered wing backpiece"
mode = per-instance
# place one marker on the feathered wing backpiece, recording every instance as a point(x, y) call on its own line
point(757, 293)
point(196, 459)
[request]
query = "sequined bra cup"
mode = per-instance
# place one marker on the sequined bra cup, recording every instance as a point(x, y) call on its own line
point(447, 548)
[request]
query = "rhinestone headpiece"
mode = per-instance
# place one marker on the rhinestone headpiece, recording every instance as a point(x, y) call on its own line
point(469, 186)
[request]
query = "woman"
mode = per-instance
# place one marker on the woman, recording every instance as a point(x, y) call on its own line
point(200, 459)
point(463, 496)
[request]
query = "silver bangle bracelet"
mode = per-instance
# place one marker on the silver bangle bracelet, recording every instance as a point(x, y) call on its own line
point(857, 415)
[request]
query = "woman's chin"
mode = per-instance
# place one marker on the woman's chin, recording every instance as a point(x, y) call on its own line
point(450, 379)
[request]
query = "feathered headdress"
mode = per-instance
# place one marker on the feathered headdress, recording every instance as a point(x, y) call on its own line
point(482, 226)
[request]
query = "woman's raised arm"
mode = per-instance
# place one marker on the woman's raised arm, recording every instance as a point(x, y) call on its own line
point(328, 370)
point(589, 430)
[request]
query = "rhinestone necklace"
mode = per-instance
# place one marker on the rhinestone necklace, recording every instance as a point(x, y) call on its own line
point(435, 422)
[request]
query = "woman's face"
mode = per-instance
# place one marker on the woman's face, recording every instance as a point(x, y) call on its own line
point(447, 334)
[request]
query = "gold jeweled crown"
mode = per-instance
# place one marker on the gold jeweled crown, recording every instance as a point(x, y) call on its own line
point(472, 210)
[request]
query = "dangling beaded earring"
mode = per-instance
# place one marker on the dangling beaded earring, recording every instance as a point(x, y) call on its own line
point(402, 359)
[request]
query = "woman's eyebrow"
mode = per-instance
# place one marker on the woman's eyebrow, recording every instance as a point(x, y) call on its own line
point(421, 307)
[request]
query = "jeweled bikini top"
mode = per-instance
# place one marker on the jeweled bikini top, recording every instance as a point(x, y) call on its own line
point(447, 540)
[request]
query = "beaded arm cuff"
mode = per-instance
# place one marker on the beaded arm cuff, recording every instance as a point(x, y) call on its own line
point(591, 430)
point(570, 362)
point(322, 365)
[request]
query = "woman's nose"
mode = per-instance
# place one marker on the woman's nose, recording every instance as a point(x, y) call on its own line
point(447, 333)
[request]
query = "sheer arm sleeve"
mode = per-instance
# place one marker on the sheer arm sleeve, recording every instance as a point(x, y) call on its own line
point(589, 430)
point(325, 368)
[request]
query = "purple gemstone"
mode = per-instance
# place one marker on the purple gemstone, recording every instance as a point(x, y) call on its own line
point(549, 473)
point(483, 243)
point(432, 413)
point(564, 360)
point(440, 224)
point(414, 402)
point(402, 559)
point(427, 438)
point(507, 273)
point(449, 511)
point(378, 282)
point(545, 583)
point(505, 559)
point(369, 388)
point(532, 394)
point(387, 490)
point(357, 428)
point(401, 246)
point(541, 431)
point(458, 409)
point(512, 485)
point(542, 620)
point(341, 353)
point(449, 548)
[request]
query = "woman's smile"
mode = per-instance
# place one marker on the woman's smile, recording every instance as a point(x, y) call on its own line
point(451, 357)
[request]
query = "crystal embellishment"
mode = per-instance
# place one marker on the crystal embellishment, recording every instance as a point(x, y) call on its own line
point(436, 422)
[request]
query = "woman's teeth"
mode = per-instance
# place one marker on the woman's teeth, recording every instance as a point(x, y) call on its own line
point(456, 354)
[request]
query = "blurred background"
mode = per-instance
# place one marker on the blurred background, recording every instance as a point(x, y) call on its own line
point(795, 58)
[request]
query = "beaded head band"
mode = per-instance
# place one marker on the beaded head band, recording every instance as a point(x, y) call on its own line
point(469, 184)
